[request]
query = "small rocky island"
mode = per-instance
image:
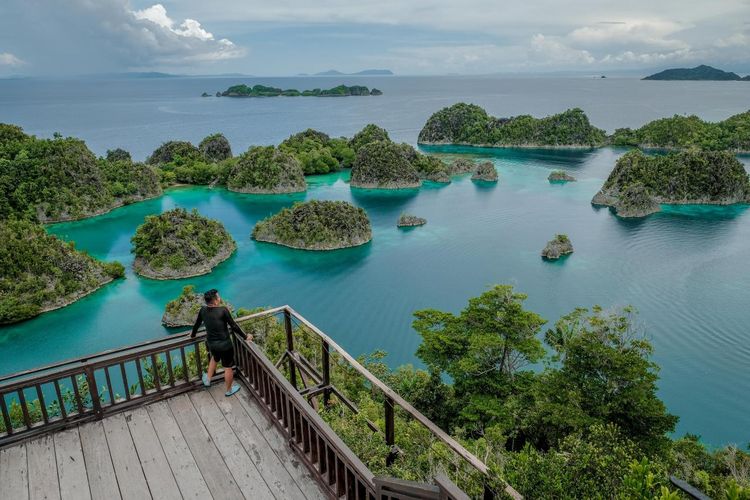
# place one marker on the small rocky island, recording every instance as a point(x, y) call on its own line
point(383, 165)
point(267, 170)
point(180, 244)
point(461, 166)
point(470, 125)
point(560, 176)
point(243, 90)
point(557, 247)
point(41, 273)
point(702, 72)
point(183, 310)
point(316, 225)
point(485, 172)
point(408, 220)
point(640, 183)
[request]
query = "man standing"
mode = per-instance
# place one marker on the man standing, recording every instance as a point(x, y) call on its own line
point(218, 321)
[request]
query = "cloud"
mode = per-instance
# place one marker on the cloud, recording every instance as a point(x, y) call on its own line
point(8, 59)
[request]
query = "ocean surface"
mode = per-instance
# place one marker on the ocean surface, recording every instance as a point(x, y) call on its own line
point(685, 269)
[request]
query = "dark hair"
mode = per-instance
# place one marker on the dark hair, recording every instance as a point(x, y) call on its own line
point(210, 295)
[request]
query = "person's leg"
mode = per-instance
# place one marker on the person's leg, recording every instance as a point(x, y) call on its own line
point(228, 378)
point(212, 367)
point(227, 360)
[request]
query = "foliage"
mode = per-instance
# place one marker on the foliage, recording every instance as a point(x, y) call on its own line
point(318, 153)
point(370, 133)
point(174, 151)
point(382, 164)
point(316, 225)
point(118, 154)
point(470, 124)
point(178, 239)
point(702, 72)
point(266, 169)
point(39, 272)
point(215, 148)
point(243, 90)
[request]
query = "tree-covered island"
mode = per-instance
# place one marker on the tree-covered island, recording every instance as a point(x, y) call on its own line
point(179, 244)
point(40, 273)
point(267, 170)
point(702, 72)
point(316, 225)
point(243, 90)
point(468, 124)
point(557, 247)
point(383, 165)
point(183, 310)
point(639, 182)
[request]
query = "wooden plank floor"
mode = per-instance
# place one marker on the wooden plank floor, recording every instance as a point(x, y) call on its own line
point(196, 445)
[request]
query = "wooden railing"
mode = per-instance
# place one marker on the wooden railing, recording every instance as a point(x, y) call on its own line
point(65, 394)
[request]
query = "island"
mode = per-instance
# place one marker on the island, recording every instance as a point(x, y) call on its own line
point(183, 310)
point(215, 148)
point(640, 183)
point(40, 273)
point(369, 133)
point(428, 168)
point(60, 179)
point(461, 166)
point(266, 170)
point(485, 172)
point(316, 225)
point(243, 90)
point(560, 177)
point(408, 220)
point(317, 152)
point(364, 72)
point(383, 165)
point(470, 125)
point(180, 244)
point(557, 247)
point(683, 132)
point(702, 72)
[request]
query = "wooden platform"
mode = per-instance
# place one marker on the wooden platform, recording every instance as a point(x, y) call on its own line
point(197, 445)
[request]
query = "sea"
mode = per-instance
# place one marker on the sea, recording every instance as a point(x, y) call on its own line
point(685, 270)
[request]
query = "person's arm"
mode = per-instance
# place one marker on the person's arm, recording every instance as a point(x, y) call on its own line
point(234, 326)
point(198, 323)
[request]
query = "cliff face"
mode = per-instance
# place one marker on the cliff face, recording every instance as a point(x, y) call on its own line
point(383, 165)
point(639, 183)
point(179, 244)
point(469, 124)
point(267, 170)
point(316, 225)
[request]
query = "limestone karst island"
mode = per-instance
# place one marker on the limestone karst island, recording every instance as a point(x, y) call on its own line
point(241, 259)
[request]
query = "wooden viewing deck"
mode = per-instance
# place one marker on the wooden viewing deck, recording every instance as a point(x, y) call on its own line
point(197, 445)
point(149, 429)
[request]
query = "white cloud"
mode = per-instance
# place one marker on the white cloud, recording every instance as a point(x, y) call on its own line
point(550, 49)
point(8, 59)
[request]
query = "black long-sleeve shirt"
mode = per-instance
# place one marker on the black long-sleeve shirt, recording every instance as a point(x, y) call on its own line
point(218, 321)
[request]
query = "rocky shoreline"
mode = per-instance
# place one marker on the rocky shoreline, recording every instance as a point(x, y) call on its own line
point(407, 220)
point(142, 268)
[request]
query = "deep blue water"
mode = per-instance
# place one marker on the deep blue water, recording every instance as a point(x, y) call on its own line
point(684, 269)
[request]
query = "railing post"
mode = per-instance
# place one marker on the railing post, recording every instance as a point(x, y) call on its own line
point(488, 493)
point(390, 431)
point(290, 347)
point(326, 360)
point(94, 392)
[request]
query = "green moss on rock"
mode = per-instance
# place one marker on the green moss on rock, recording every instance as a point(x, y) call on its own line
point(179, 244)
point(316, 225)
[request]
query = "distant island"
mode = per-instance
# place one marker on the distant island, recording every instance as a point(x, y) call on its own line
point(364, 72)
point(702, 72)
point(243, 90)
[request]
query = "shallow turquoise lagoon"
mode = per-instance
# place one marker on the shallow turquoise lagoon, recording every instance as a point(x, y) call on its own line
point(685, 269)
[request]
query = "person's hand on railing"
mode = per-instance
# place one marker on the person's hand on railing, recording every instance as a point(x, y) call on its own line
point(248, 337)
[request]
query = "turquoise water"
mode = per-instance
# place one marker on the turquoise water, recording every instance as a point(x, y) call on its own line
point(685, 269)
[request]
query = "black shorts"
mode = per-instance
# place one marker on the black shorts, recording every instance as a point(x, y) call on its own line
point(225, 356)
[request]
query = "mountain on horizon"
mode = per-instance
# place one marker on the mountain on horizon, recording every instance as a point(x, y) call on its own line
point(364, 72)
point(702, 72)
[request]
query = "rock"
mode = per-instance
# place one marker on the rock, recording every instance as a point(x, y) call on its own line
point(183, 310)
point(118, 154)
point(316, 225)
point(205, 94)
point(215, 148)
point(167, 152)
point(431, 168)
point(407, 220)
point(370, 133)
point(375, 91)
point(267, 170)
point(461, 166)
point(383, 165)
point(179, 244)
point(485, 172)
point(557, 247)
point(636, 201)
point(560, 176)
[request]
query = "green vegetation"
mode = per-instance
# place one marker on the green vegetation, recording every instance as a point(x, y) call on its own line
point(408, 220)
point(215, 148)
point(638, 183)
point(383, 165)
point(39, 272)
point(50, 180)
point(266, 170)
point(317, 152)
point(370, 133)
point(682, 132)
point(178, 244)
point(181, 162)
point(316, 225)
point(183, 310)
point(118, 154)
point(560, 176)
point(470, 124)
point(243, 90)
point(701, 72)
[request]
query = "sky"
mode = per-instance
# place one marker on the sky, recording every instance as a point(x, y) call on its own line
point(415, 37)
